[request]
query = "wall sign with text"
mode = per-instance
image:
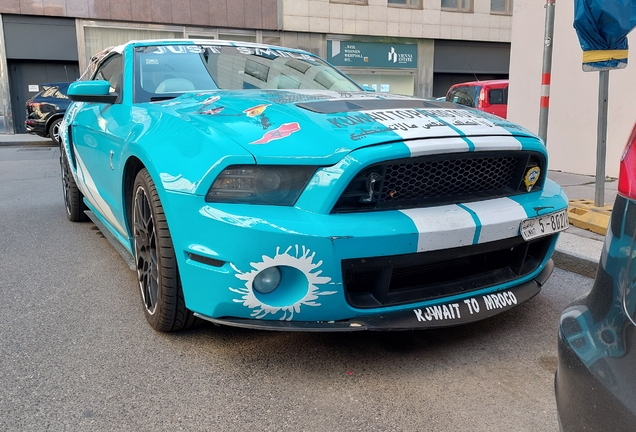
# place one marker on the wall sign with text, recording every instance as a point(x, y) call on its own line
point(372, 55)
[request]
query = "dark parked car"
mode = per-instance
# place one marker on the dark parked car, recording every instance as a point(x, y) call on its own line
point(595, 381)
point(46, 109)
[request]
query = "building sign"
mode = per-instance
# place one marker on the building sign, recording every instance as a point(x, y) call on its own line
point(372, 55)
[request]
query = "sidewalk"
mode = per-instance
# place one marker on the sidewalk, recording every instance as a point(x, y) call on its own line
point(24, 140)
point(578, 250)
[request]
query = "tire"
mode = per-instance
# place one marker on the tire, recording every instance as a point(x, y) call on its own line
point(73, 198)
point(54, 131)
point(157, 272)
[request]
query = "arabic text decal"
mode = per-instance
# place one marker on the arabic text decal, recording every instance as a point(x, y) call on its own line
point(458, 117)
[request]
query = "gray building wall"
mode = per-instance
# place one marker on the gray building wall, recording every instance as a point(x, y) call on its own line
point(254, 14)
point(28, 38)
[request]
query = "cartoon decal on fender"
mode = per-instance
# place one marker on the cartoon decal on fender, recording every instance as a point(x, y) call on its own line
point(303, 262)
point(207, 102)
point(256, 111)
point(259, 112)
point(282, 132)
point(211, 100)
point(213, 111)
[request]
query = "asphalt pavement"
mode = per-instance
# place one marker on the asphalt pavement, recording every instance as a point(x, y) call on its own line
point(578, 249)
point(77, 354)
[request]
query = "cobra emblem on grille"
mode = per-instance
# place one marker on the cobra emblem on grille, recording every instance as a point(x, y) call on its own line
point(372, 180)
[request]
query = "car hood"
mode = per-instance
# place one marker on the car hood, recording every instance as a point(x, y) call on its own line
point(322, 126)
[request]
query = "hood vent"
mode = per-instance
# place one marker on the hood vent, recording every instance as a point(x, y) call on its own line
point(366, 104)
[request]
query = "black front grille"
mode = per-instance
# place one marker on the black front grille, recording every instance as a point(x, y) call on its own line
point(399, 279)
point(446, 177)
point(438, 180)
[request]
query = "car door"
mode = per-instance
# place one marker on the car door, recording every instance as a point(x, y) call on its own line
point(627, 274)
point(99, 131)
point(498, 101)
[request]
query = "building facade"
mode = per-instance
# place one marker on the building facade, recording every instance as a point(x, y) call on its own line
point(412, 47)
point(573, 113)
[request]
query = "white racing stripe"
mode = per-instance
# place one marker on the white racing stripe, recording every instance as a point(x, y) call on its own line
point(442, 227)
point(499, 218)
point(92, 194)
point(424, 147)
point(495, 143)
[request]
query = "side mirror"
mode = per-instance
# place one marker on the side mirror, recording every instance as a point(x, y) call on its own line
point(368, 89)
point(91, 91)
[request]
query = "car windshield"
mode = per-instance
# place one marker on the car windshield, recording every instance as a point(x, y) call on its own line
point(165, 71)
point(466, 95)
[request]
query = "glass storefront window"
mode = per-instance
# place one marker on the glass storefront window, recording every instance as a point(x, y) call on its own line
point(386, 83)
point(3, 127)
point(237, 37)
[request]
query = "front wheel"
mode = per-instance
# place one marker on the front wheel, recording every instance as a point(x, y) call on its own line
point(157, 272)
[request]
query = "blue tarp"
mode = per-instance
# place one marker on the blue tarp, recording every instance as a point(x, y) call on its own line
point(604, 25)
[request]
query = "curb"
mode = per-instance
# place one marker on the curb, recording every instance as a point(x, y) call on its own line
point(574, 264)
point(577, 254)
point(43, 143)
point(584, 214)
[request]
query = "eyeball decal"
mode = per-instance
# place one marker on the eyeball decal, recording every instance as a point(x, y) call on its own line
point(300, 259)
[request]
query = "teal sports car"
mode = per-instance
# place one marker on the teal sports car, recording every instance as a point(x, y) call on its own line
point(257, 186)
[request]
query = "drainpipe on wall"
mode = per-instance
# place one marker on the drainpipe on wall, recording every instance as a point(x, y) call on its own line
point(5, 100)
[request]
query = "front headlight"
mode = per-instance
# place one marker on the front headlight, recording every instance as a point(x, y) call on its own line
point(260, 184)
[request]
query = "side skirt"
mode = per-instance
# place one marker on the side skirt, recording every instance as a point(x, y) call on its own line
point(123, 252)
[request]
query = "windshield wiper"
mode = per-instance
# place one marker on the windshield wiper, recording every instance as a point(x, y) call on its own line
point(161, 98)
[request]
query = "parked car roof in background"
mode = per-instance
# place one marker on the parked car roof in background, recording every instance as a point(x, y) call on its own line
point(490, 96)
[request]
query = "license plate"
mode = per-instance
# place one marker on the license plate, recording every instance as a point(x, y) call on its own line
point(544, 225)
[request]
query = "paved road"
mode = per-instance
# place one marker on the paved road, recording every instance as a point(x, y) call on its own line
point(77, 354)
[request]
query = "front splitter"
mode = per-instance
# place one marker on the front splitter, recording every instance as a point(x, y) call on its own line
point(447, 314)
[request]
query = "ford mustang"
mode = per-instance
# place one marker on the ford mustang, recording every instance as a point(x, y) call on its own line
point(257, 186)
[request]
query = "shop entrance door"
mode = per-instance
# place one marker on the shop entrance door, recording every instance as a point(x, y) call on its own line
point(26, 79)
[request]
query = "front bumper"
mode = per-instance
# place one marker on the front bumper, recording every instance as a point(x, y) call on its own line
point(221, 248)
point(442, 315)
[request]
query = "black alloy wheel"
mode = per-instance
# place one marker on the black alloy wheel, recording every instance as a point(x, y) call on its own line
point(146, 251)
point(157, 272)
point(73, 198)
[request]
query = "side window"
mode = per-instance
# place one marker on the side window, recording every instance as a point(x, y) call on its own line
point(496, 96)
point(416, 4)
point(49, 92)
point(457, 5)
point(110, 70)
point(503, 7)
